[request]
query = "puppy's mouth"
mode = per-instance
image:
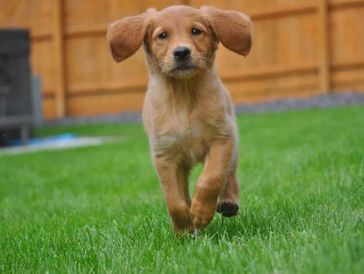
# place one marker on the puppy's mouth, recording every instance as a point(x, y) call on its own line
point(183, 67)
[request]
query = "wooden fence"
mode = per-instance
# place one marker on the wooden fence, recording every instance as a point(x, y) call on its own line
point(300, 48)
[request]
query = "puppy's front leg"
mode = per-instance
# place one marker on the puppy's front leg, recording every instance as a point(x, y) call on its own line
point(174, 180)
point(211, 182)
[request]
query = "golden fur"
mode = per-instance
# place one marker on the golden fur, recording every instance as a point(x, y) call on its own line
point(188, 114)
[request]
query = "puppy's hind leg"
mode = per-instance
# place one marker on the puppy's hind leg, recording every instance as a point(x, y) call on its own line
point(228, 204)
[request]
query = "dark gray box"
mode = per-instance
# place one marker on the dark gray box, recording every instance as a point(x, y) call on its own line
point(15, 95)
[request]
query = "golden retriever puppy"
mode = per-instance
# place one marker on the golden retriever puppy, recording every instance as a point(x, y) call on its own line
point(188, 114)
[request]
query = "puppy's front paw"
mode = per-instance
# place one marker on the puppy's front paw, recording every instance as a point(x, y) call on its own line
point(202, 213)
point(185, 228)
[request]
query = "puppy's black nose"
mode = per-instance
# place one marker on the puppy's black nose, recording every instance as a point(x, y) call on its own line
point(181, 53)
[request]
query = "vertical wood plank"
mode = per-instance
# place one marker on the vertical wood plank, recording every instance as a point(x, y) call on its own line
point(59, 58)
point(324, 46)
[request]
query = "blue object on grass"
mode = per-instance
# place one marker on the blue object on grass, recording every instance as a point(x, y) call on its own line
point(66, 137)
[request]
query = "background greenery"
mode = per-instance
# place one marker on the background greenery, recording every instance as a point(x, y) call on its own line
point(100, 209)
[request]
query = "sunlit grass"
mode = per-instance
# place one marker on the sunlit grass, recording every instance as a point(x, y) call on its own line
point(100, 209)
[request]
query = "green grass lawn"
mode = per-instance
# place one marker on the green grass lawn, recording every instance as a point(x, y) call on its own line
point(100, 209)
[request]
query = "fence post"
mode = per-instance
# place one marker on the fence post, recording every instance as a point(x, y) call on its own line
point(59, 55)
point(324, 46)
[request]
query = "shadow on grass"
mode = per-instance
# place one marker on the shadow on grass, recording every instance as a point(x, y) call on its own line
point(247, 225)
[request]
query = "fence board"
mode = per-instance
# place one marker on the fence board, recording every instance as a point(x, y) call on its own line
point(59, 58)
point(301, 48)
point(323, 45)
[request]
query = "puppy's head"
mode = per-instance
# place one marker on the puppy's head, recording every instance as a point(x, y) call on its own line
point(180, 41)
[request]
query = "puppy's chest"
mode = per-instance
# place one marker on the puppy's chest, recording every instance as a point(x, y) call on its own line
point(187, 137)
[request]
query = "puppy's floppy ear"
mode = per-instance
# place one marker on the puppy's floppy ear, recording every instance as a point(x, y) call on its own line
point(126, 35)
point(232, 28)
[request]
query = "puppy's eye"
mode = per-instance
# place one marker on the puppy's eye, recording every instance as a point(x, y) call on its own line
point(196, 31)
point(163, 35)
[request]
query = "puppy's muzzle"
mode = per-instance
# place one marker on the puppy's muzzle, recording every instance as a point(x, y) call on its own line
point(181, 54)
point(182, 59)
